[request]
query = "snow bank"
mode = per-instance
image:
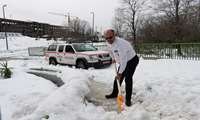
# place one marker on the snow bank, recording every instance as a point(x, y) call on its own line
point(68, 102)
point(22, 42)
point(18, 45)
point(21, 94)
point(169, 88)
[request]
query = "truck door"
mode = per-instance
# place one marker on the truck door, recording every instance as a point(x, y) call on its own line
point(69, 56)
point(61, 54)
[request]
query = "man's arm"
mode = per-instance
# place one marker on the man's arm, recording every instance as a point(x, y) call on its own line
point(123, 59)
point(112, 56)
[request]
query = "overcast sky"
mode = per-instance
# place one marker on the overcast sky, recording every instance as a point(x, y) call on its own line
point(37, 10)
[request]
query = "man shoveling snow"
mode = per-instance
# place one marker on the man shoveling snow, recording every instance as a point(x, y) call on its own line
point(123, 53)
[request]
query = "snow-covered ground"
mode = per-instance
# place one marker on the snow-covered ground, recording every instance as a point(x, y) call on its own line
point(18, 45)
point(164, 90)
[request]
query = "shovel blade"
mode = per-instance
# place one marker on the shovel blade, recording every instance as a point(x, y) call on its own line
point(120, 103)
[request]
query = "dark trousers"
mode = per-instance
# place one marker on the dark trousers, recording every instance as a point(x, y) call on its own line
point(128, 75)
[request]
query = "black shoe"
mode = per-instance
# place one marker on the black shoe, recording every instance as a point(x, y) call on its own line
point(128, 103)
point(110, 96)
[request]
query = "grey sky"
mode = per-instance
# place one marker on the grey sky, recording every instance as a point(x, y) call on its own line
point(37, 10)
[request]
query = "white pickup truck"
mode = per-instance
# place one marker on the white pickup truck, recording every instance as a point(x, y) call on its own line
point(81, 55)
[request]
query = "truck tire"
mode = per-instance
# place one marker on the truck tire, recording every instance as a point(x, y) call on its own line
point(52, 61)
point(81, 64)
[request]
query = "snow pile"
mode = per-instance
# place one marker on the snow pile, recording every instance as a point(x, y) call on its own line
point(68, 102)
point(163, 89)
point(18, 45)
point(21, 94)
point(169, 88)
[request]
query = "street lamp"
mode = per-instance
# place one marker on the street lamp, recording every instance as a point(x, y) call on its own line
point(92, 22)
point(4, 16)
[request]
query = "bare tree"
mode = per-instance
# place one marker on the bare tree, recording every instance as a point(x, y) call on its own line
point(84, 27)
point(118, 21)
point(130, 13)
point(77, 28)
point(173, 22)
point(177, 12)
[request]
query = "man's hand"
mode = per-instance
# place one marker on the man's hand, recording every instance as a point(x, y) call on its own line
point(119, 76)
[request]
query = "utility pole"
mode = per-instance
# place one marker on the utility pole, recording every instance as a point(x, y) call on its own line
point(92, 22)
point(69, 20)
point(4, 16)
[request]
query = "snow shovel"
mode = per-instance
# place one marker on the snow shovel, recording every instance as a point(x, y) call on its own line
point(120, 98)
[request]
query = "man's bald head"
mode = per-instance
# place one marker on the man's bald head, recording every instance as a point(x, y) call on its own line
point(111, 30)
point(109, 35)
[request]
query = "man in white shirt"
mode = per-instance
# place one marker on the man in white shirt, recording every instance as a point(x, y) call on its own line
point(122, 53)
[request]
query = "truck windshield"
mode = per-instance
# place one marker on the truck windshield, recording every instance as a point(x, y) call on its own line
point(84, 47)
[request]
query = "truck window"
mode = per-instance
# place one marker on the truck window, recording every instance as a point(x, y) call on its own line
point(61, 48)
point(69, 49)
point(52, 48)
point(84, 47)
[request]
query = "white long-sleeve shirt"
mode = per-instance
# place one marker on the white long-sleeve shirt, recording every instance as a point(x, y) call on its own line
point(122, 51)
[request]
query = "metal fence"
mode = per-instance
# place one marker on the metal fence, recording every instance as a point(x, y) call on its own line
point(186, 51)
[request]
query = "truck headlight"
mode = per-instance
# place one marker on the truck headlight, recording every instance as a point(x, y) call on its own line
point(94, 57)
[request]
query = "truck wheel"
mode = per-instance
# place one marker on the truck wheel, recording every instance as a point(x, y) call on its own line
point(81, 64)
point(52, 61)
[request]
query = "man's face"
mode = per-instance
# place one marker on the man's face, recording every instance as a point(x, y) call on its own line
point(109, 36)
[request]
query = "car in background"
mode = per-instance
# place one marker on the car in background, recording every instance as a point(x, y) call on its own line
point(81, 55)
